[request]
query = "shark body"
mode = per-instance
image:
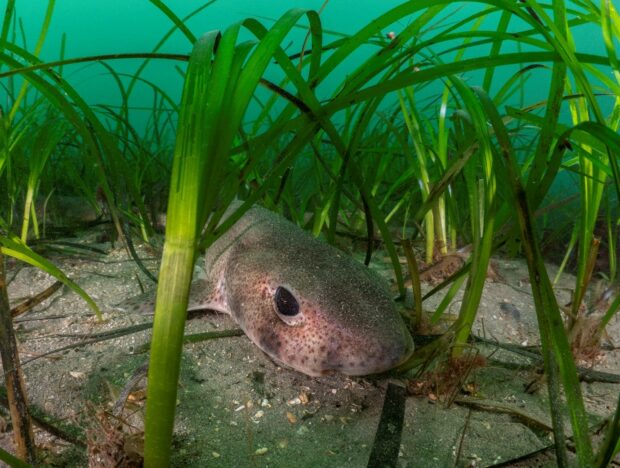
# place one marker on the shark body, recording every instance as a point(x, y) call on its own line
point(303, 302)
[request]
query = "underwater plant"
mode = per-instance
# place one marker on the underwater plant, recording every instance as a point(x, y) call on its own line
point(423, 136)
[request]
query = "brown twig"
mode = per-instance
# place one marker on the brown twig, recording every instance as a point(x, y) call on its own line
point(13, 376)
point(35, 300)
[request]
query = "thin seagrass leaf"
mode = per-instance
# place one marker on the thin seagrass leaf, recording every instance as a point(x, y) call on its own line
point(12, 460)
point(502, 27)
point(556, 349)
point(180, 25)
point(6, 22)
point(611, 444)
point(407, 78)
point(313, 104)
point(13, 247)
point(186, 182)
point(37, 50)
point(47, 66)
point(606, 136)
point(162, 41)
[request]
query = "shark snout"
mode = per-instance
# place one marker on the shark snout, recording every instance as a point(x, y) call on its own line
point(403, 350)
point(370, 356)
point(394, 353)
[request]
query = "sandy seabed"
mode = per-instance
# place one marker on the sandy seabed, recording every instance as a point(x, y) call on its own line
point(238, 408)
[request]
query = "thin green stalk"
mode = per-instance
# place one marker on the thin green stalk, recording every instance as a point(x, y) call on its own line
point(45, 143)
point(177, 23)
point(612, 236)
point(414, 274)
point(178, 258)
point(611, 311)
point(449, 296)
point(592, 184)
point(502, 28)
point(11, 460)
point(547, 132)
point(421, 162)
point(215, 97)
point(6, 22)
point(37, 50)
point(180, 25)
point(556, 349)
point(15, 386)
point(37, 65)
point(14, 247)
point(483, 212)
point(341, 147)
point(569, 250)
point(611, 445)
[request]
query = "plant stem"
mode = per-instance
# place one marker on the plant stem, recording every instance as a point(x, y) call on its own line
point(16, 390)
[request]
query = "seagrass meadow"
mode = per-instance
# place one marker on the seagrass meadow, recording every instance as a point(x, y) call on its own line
point(465, 151)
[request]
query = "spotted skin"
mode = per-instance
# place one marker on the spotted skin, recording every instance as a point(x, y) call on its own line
point(346, 322)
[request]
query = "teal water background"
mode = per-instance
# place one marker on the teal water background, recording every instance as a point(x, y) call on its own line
point(96, 27)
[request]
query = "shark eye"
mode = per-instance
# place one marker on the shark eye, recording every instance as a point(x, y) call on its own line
point(286, 303)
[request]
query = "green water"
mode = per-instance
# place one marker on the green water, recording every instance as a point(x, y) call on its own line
point(100, 27)
point(383, 144)
point(117, 26)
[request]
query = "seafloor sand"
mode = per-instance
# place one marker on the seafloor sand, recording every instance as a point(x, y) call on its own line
point(237, 408)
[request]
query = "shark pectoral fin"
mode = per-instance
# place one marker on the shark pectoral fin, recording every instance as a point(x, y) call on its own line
point(207, 294)
point(204, 294)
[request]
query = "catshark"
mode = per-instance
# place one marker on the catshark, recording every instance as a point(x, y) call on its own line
point(306, 304)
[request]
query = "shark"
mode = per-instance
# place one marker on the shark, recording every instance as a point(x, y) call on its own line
point(306, 304)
